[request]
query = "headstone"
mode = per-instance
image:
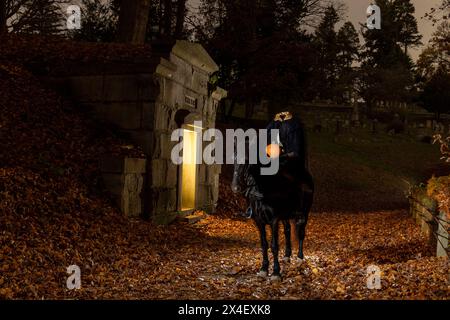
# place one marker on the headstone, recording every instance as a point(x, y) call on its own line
point(338, 127)
point(375, 126)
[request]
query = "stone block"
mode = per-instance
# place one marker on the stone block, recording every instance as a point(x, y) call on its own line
point(213, 172)
point(121, 88)
point(204, 195)
point(172, 175)
point(86, 88)
point(194, 218)
point(164, 200)
point(202, 173)
point(163, 117)
point(215, 190)
point(114, 182)
point(159, 173)
point(111, 164)
point(127, 116)
point(135, 165)
point(172, 203)
point(166, 145)
point(148, 90)
point(148, 115)
point(144, 139)
point(443, 235)
point(131, 197)
point(124, 179)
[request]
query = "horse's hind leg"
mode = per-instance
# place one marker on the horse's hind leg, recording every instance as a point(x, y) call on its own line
point(300, 225)
point(301, 221)
point(287, 239)
point(264, 271)
point(276, 275)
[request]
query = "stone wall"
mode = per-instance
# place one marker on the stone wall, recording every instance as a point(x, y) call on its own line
point(183, 87)
point(124, 179)
point(329, 118)
point(143, 106)
point(433, 223)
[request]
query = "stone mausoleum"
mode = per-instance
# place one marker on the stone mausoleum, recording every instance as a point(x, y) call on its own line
point(146, 101)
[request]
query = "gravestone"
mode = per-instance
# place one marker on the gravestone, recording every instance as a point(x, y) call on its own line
point(375, 126)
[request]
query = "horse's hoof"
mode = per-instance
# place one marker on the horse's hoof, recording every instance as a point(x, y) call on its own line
point(262, 274)
point(299, 260)
point(275, 278)
point(287, 259)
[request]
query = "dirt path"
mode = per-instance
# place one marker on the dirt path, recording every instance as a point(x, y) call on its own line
point(339, 248)
point(217, 259)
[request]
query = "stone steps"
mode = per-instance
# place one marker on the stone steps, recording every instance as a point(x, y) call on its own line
point(193, 218)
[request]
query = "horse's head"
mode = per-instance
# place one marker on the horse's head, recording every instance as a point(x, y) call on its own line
point(240, 171)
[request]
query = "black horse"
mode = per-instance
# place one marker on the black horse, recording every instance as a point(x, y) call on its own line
point(272, 199)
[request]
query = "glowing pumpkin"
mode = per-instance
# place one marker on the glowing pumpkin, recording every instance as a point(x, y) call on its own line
point(273, 151)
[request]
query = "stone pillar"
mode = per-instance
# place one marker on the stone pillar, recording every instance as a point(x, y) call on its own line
point(124, 179)
point(442, 235)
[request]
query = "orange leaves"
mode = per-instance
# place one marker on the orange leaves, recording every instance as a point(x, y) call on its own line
point(53, 214)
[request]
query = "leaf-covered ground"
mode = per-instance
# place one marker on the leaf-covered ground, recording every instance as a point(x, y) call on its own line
point(216, 259)
point(54, 213)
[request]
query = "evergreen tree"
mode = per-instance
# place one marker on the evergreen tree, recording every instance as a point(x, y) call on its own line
point(436, 94)
point(259, 46)
point(406, 24)
point(35, 16)
point(387, 70)
point(325, 40)
point(434, 72)
point(348, 45)
point(436, 56)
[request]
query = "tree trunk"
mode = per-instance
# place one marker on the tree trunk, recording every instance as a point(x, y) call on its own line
point(229, 114)
point(133, 20)
point(3, 17)
point(168, 12)
point(249, 108)
point(181, 14)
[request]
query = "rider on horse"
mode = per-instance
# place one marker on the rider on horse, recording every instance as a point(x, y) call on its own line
point(293, 156)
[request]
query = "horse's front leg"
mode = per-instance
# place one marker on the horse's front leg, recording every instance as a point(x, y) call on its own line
point(276, 275)
point(287, 240)
point(264, 248)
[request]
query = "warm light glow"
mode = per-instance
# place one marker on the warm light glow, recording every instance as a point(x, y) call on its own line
point(273, 151)
point(194, 126)
point(189, 170)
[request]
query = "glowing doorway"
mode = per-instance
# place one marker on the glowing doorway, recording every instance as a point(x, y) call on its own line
point(189, 170)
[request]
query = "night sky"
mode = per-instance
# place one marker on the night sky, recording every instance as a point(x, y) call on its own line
point(357, 14)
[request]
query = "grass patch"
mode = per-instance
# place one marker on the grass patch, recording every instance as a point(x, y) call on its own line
point(359, 172)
